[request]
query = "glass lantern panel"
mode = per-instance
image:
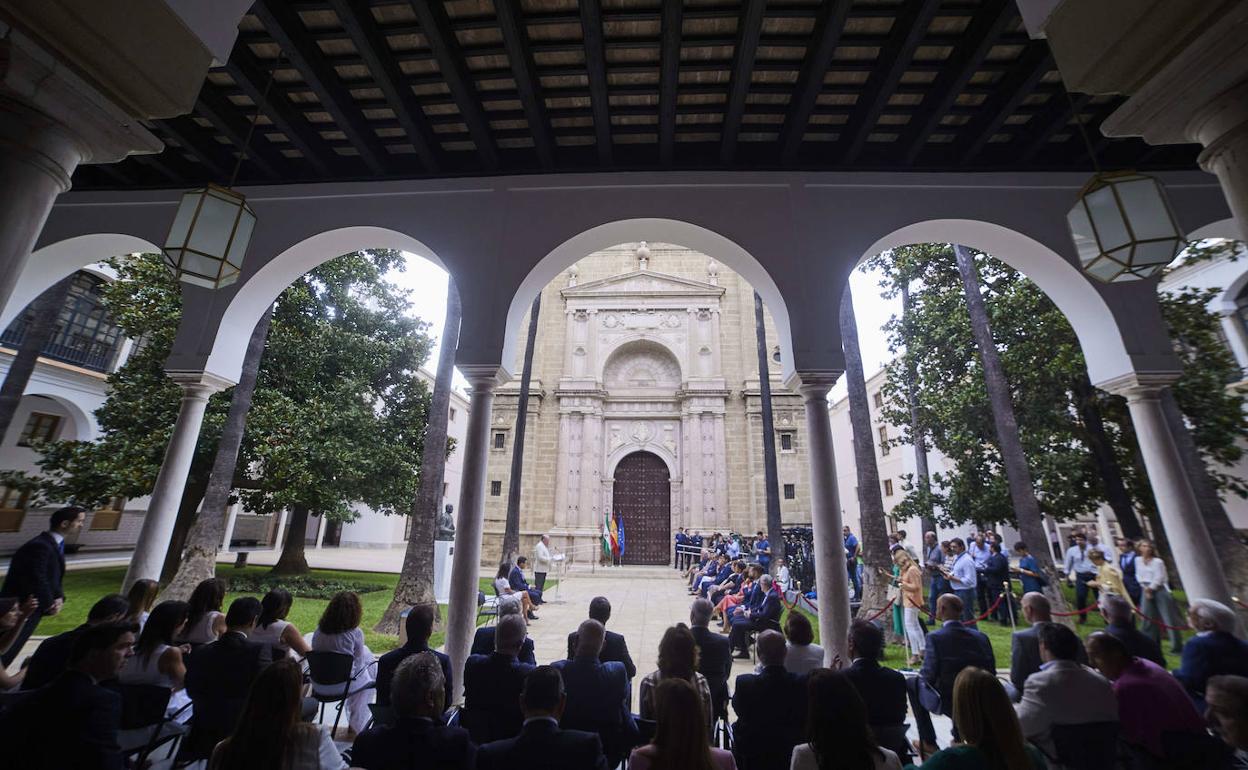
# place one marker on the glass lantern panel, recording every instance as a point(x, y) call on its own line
point(200, 265)
point(1111, 230)
point(195, 280)
point(1103, 269)
point(1084, 236)
point(214, 226)
point(1146, 209)
point(182, 219)
point(1154, 253)
point(242, 236)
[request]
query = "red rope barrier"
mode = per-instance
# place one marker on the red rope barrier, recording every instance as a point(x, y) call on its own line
point(1159, 624)
point(1083, 611)
point(971, 622)
point(883, 609)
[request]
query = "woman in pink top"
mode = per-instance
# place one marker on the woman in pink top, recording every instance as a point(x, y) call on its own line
point(680, 738)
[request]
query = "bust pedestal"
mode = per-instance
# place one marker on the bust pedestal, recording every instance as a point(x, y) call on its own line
point(442, 558)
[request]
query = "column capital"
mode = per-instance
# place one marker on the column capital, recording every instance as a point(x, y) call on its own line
point(813, 384)
point(1136, 386)
point(484, 377)
point(198, 384)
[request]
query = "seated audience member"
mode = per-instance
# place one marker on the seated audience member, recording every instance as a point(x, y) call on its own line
point(419, 625)
point(1025, 644)
point(804, 655)
point(699, 569)
point(1118, 617)
point(736, 574)
point(502, 587)
point(883, 690)
point(219, 676)
point(51, 657)
point(680, 736)
point(1226, 699)
point(598, 694)
point(990, 736)
point(678, 659)
point(156, 661)
point(765, 616)
point(614, 647)
point(339, 631)
point(141, 598)
point(205, 622)
point(13, 616)
point(492, 685)
point(541, 742)
point(718, 575)
point(418, 739)
point(1214, 650)
point(770, 707)
point(714, 656)
point(728, 605)
point(516, 580)
point(1151, 702)
point(270, 732)
point(72, 722)
point(1062, 692)
point(950, 648)
point(275, 630)
point(837, 732)
point(483, 639)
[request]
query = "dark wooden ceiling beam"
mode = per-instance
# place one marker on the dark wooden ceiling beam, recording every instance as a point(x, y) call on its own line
point(524, 72)
point(669, 77)
point(1043, 126)
point(596, 70)
point(436, 27)
point(215, 158)
point(749, 29)
point(981, 35)
point(170, 165)
point(829, 27)
point(226, 118)
point(284, 23)
point(1007, 95)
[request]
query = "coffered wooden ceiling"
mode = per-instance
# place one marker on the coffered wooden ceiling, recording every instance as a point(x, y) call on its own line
point(373, 89)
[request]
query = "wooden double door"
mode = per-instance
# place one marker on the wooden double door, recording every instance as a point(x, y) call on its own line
point(643, 502)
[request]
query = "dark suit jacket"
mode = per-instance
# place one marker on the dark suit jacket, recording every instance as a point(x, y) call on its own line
point(1209, 655)
point(50, 658)
point(949, 650)
point(1138, 643)
point(413, 743)
point(614, 648)
point(388, 663)
point(36, 570)
point(771, 718)
point(71, 723)
point(542, 744)
point(492, 685)
point(483, 644)
point(218, 678)
point(597, 694)
point(516, 579)
point(714, 663)
point(883, 690)
point(1025, 656)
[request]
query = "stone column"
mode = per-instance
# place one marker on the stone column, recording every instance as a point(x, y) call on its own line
point(831, 577)
point(466, 567)
point(1190, 544)
point(1233, 328)
point(231, 517)
point(1222, 127)
point(162, 511)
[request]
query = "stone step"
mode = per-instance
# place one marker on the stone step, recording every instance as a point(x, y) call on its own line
point(627, 572)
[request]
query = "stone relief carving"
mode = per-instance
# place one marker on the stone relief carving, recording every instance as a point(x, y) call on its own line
point(642, 367)
point(704, 314)
point(580, 316)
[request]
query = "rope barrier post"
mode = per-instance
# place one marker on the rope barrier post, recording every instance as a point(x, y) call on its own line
point(1009, 593)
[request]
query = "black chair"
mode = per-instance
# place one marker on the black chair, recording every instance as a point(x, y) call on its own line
point(143, 707)
point(893, 738)
point(382, 715)
point(645, 730)
point(329, 669)
point(1090, 746)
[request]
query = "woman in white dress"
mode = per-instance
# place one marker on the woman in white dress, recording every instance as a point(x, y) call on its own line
point(205, 622)
point(275, 630)
point(156, 661)
point(142, 597)
point(836, 728)
point(270, 733)
point(339, 631)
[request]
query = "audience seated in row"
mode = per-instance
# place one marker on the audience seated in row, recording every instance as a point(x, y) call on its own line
point(804, 655)
point(1025, 644)
point(1226, 697)
point(339, 631)
point(275, 630)
point(614, 647)
point(492, 685)
point(762, 615)
point(205, 622)
point(52, 655)
point(13, 617)
point(987, 726)
point(1119, 619)
point(837, 732)
point(483, 639)
point(598, 694)
point(542, 741)
point(678, 659)
point(680, 737)
point(714, 656)
point(156, 661)
point(141, 599)
point(1214, 650)
point(883, 690)
point(419, 626)
point(770, 708)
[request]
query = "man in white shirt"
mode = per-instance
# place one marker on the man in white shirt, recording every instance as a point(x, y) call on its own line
point(1079, 570)
point(962, 577)
point(542, 561)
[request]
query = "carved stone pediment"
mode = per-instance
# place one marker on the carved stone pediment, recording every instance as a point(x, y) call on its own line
point(643, 283)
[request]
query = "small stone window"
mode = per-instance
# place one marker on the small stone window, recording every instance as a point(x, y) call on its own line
point(496, 488)
point(786, 442)
point(888, 487)
point(879, 400)
point(790, 491)
point(500, 440)
point(39, 427)
point(884, 448)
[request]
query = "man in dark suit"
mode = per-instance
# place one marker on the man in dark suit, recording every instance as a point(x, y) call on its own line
point(614, 647)
point(598, 694)
point(1119, 619)
point(36, 570)
point(219, 676)
point(1025, 645)
point(1214, 650)
point(517, 582)
point(483, 639)
point(51, 657)
point(714, 654)
point(771, 709)
point(883, 690)
point(418, 739)
point(73, 721)
point(419, 627)
point(765, 617)
point(950, 648)
point(492, 685)
point(541, 742)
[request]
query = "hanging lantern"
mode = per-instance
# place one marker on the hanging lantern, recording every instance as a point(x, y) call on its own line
point(209, 237)
point(1123, 227)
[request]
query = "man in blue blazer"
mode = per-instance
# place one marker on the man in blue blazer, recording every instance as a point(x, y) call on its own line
point(541, 742)
point(419, 628)
point(36, 570)
point(1214, 650)
point(597, 694)
point(516, 580)
point(492, 685)
point(765, 616)
point(770, 708)
point(483, 639)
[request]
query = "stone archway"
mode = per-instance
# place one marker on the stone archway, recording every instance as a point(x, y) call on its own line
point(643, 505)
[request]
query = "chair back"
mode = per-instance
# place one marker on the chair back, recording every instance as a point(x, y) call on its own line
point(142, 705)
point(1193, 751)
point(1088, 746)
point(893, 738)
point(385, 716)
point(646, 729)
point(330, 668)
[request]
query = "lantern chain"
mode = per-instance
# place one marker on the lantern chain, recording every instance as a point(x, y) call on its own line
point(255, 118)
point(1083, 131)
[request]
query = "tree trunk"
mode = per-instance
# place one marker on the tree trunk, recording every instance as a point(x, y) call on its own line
point(872, 529)
point(199, 562)
point(416, 580)
point(918, 435)
point(511, 532)
point(1102, 449)
point(45, 312)
point(294, 560)
point(188, 507)
point(1017, 474)
point(771, 477)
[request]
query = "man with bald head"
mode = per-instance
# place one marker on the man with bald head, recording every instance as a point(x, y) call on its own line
point(950, 648)
point(492, 685)
point(770, 707)
point(598, 694)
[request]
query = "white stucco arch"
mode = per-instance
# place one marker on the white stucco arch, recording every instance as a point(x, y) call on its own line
point(674, 231)
point(260, 290)
point(82, 425)
point(1223, 228)
point(658, 450)
point(57, 260)
point(1085, 309)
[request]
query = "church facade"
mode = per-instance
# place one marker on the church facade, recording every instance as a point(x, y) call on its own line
point(644, 406)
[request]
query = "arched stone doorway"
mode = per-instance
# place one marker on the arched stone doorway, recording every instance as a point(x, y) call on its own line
point(643, 504)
